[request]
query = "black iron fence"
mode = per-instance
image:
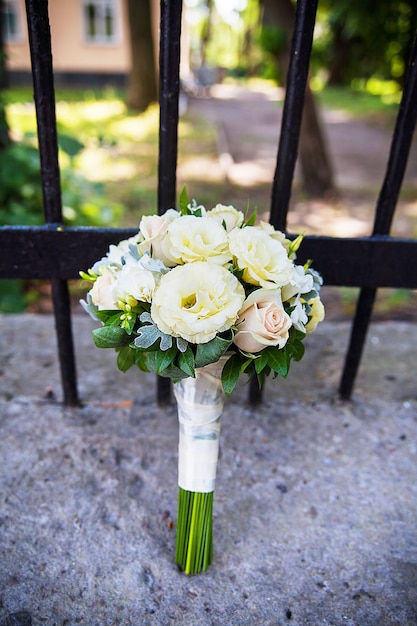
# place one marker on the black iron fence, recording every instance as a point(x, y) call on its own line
point(56, 253)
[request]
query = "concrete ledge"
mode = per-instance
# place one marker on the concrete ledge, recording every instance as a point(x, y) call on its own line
point(315, 504)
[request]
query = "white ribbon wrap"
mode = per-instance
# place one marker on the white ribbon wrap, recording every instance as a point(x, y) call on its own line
point(200, 405)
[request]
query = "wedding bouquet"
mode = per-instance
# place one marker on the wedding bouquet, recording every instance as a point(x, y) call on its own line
point(203, 296)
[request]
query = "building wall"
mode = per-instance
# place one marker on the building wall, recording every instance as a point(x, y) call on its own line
point(74, 57)
point(70, 51)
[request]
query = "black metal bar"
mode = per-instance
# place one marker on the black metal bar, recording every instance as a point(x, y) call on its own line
point(305, 16)
point(387, 201)
point(169, 89)
point(44, 95)
point(62, 310)
point(400, 149)
point(40, 252)
point(302, 40)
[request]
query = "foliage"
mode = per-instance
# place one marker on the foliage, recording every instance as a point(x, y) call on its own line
point(353, 39)
point(358, 101)
point(20, 188)
point(21, 201)
point(356, 39)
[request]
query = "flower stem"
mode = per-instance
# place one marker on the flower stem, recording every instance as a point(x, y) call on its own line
point(194, 542)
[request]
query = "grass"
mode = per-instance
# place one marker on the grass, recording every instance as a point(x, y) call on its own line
point(360, 101)
point(119, 147)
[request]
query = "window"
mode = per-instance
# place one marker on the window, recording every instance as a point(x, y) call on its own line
point(11, 21)
point(100, 21)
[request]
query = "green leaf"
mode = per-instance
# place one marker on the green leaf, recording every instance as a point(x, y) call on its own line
point(126, 358)
point(69, 144)
point(261, 362)
point(234, 367)
point(110, 337)
point(297, 350)
point(278, 361)
point(184, 201)
point(251, 220)
point(186, 362)
point(164, 359)
point(211, 351)
point(150, 362)
point(109, 317)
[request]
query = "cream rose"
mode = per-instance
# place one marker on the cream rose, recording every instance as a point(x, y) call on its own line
point(134, 281)
point(316, 315)
point(153, 229)
point(102, 291)
point(291, 246)
point(262, 322)
point(196, 301)
point(262, 258)
point(191, 239)
point(227, 215)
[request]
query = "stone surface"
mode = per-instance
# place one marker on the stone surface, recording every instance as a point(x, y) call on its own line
point(315, 503)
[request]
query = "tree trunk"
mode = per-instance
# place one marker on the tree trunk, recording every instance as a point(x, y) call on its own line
point(314, 160)
point(340, 56)
point(142, 84)
point(4, 127)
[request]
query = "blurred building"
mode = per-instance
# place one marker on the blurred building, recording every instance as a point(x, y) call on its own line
point(90, 41)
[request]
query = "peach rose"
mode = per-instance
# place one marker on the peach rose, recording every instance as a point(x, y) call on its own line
point(153, 229)
point(262, 321)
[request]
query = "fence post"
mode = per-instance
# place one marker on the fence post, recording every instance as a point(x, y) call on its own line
point(387, 201)
point(44, 94)
point(305, 18)
point(169, 89)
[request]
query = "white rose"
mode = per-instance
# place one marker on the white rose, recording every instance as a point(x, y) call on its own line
point(262, 322)
point(316, 315)
point(191, 239)
point(298, 314)
point(115, 253)
point(262, 258)
point(134, 281)
point(300, 282)
point(227, 215)
point(196, 301)
point(101, 292)
point(153, 229)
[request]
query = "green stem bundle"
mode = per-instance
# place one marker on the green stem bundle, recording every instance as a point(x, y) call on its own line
point(194, 541)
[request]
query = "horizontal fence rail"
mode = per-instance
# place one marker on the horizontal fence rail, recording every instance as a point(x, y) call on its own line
point(42, 252)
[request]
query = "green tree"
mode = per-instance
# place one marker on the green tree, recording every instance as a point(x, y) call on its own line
point(363, 39)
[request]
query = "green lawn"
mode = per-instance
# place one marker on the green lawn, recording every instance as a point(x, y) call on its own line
point(109, 155)
point(108, 144)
